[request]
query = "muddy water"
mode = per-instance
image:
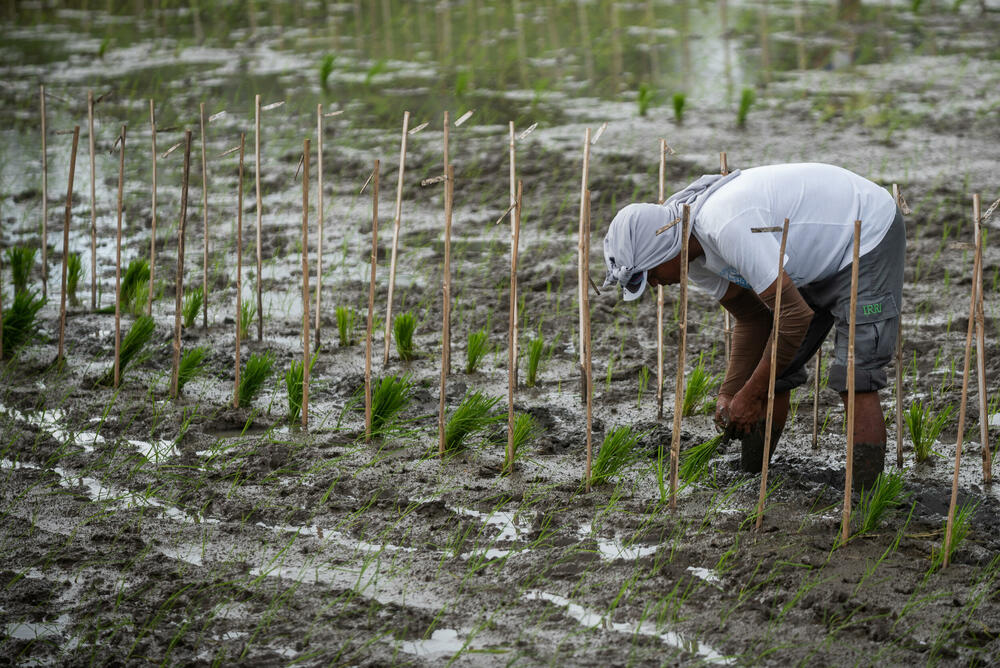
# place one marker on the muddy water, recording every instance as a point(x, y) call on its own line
point(136, 528)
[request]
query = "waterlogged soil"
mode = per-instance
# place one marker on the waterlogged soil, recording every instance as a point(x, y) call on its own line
point(139, 529)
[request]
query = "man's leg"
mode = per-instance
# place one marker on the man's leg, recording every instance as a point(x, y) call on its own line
point(752, 444)
point(869, 439)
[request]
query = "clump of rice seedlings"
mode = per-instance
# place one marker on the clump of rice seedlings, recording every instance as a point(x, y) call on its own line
point(679, 101)
point(248, 311)
point(402, 329)
point(255, 373)
point(616, 452)
point(924, 428)
point(644, 98)
point(191, 364)
point(135, 286)
point(747, 98)
point(959, 530)
point(325, 69)
point(74, 272)
point(390, 396)
point(346, 317)
point(885, 494)
point(524, 430)
point(21, 260)
point(643, 383)
point(535, 349)
point(694, 461)
point(135, 340)
point(471, 416)
point(193, 301)
point(293, 384)
point(477, 347)
point(699, 384)
point(20, 321)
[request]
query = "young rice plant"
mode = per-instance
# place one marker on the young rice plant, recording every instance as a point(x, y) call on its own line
point(924, 427)
point(135, 286)
point(255, 373)
point(699, 385)
point(471, 416)
point(20, 321)
point(694, 461)
point(535, 349)
point(617, 451)
point(294, 386)
point(193, 301)
point(959, 530)
point(21, 260)
point(346, 317)
point(133, 343)
point(402, 329)
point(74, 272)
point(885, 495)
point(476, 349)
point(191, 365)
point(247, 313)
point(390, 396)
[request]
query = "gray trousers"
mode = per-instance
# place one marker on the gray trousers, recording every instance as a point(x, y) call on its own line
point(880, 294)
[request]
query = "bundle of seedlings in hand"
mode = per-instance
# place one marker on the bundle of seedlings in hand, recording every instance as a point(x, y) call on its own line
point(617, 451)
point(191, 364)
point(924, 428)
point(255, 374)
point(20, 321)
point(135, 286)
point(886, 494)
point(476, 349)
point(137, 337)
point(694, 462)
point(193, 301)
point(747, 98)
point(959, 530)
point(402, 329)
point(74, 272)
point(535, 349)
point(293, 384)
point(21, 260)
point(471, 416)
point(699, 384)
point(390, 397)
point(524, 430)
point(247, 313)
point(346, 316)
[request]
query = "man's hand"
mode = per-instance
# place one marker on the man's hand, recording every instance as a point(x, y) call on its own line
point(722, 412)
point(746, 410)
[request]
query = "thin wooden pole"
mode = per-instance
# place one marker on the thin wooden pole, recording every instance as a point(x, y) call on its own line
point(973, 298)
point(723, 164)
point(45, 199)
point(204, 209)
point(152, 235)
point(512, 331)
point(446, 298)
point(371, 307)
point(661, 197)
point(514, 202)
point(60, 358)
point(93, 201)
point(588, 382)
point(582, 289)
point(395, 238)
point(319, 219)
point(816, 372)
point(179, 290)
point(305, 283)
point(675, 439)
point(845, 522)
point(260, 262)
point(118, 256)
point(239, 269)
point(984, 428)
point(769, 415)
point(899, 362)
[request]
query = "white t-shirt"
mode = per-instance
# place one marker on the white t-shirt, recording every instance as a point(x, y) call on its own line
point(821, 203)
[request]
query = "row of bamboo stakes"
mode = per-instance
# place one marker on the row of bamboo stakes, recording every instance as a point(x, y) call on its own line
point(976, 320)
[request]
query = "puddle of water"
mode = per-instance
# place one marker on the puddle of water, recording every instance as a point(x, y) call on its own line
point(443, 642)
point(35, 630)
point(590, 619)
point(337, 537)
point(615, 549)
point(706, 574)
point(50, 421)
point(155, 451)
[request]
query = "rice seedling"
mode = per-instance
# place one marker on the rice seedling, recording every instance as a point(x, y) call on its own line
point(191, 364)
point(535, 349)
point(477, 347)
point(679, 100)
point(133, 343)
point(886, 494)
point(293, 384)
point(924, 427)
point(135, 286)
point(694, 461)
point(192, 306)
point(471, 416)
point(616, 452)
point(390, 397)
point(346, 317)
point(325, 69)
point(959, 531)
point(74, 272)
point(644, 98)
point(643, 383)
point(525, 429)
point(402, 329)
point(255, 373)
point(699, 384)
point(21, 260)
point(248, 311)
point(747, 98)
point(20, 321)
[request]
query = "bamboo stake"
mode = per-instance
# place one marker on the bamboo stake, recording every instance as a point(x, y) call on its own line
point(45, 200)
point(845, 523)
point(60, 358)
point(319, 213)
point(93, 202)
point(152, 236)
point(769, 415)
point(675, 438)
point(118, 257)
point(661, 197)
point(395, 239)
point(984, 429)
point(514, 201)
point(446, 297)
point(723, 165)
point(897, 196)
point(371, 306)
point(260, 300)
point(305, 283)
point(179, 290)
point(588, 383)
point(816, 372)
point(973, 298)
point(512, 331)
point(582, 290)
point(239, 270)
point(204, 208)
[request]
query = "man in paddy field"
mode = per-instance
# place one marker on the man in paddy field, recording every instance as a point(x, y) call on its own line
point(740, 269)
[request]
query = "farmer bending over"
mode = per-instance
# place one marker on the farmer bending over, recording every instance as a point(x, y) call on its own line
point(740, 268)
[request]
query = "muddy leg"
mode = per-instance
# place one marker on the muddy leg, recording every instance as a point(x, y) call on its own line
point(752, 450)
point(869, 438)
